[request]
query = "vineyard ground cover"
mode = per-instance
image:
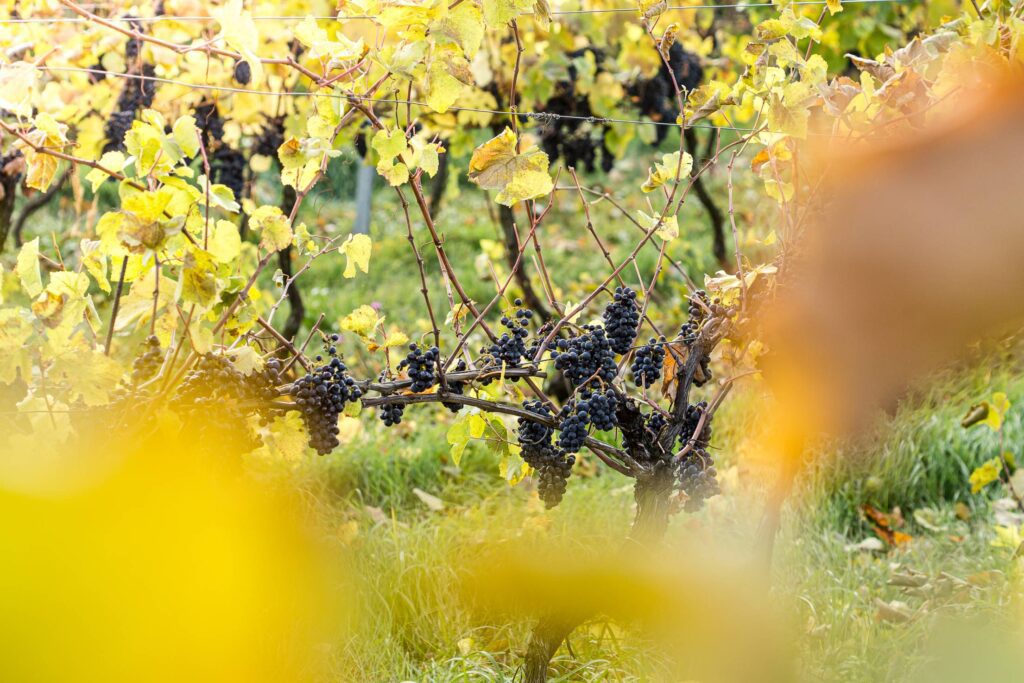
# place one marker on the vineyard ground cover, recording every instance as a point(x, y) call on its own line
point(416, 626)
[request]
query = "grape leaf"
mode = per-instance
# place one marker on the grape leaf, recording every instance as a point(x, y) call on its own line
point(357, 250)
point(496, 165)
point(28, 268)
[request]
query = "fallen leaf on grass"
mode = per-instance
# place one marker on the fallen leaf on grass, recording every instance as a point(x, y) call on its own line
point(433, 502)
point(868, 544)
point(894, 612)
point(883, 524)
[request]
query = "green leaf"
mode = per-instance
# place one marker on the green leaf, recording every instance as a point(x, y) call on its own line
point(389, 144)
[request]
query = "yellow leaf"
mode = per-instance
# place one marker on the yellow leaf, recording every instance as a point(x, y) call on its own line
point(286, 436)
point(272, 224)
point(500, 12)
point(672, 166)
point(225, 242)
point(389, 144)
point(496, 165)
point(186, 135)
point(96, 263)
point(443, 88)
point(396, 174)
point(997, 407)
point(199, 278)
point(246, 359)
point(28, 268)
point(15, 331)
point(112, 161)
point(363, 321)
point(667, 229)
point(985, 474)
point(357, 250)
point(18, 82)
point(834, 6)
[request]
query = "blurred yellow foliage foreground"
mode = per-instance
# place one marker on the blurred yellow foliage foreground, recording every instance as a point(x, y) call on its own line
point(164, 568)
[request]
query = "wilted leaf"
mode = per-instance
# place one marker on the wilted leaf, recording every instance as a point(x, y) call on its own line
point(433, 502)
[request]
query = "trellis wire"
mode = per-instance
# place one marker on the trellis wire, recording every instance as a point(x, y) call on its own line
point(536, 115)
point(609, 10)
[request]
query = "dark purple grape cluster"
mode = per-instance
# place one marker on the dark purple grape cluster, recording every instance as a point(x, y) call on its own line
point(456, 388)
point(133, 48)
point(586, 357)
point(570, 130)
point(534, 436)
point(690, 421)
point(573, 427)
point(695, 473)
point(137, 94)
point(271, 137)
point(210, 123)
point(148, 363)
point(243, 72)
point(510, 348)
point(553, 476)
point(600, 408)
point(227, 166)
point(656, 97)
point(321, 396)
point(654, 423)
point(697, 477)
point(621, 318)
point(647, 362)
point(421, 366)
point(391, 413)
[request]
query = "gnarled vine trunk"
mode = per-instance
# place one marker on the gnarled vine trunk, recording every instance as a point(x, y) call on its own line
point(653, 493)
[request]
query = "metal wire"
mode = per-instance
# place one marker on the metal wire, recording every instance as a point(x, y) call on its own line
point(610, 10)
point(538, 115)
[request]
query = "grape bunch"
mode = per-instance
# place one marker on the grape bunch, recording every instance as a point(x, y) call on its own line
point(227, 167)
point(600, 407)
point(697, 478)
point(147, 364)
point(569, 130)
point(271, 137)
point(585, 357)
point(621, 319)
point(321, 396)
point(690, 421)
point(456, 388)
point(421, 366)
point(553, 476)
point(696, 475)
point(573, 419)
point(647, 362)
point(656, 97)
point(697, 310)
point(391, 414)
point(534, 437)
point(510, 348)
point(138, 94)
